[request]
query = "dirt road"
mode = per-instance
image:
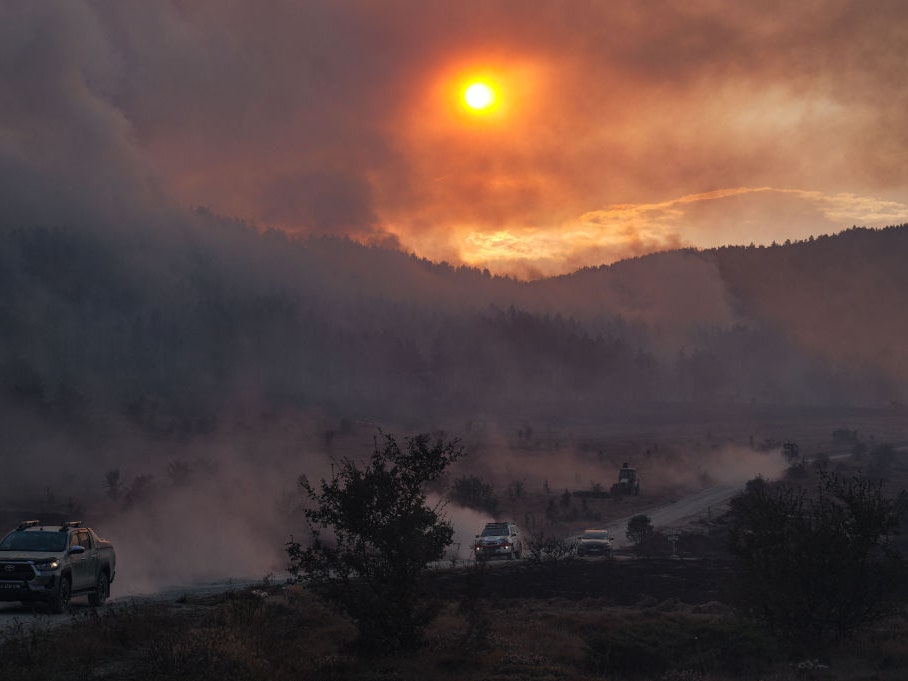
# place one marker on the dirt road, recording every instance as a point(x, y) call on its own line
point(703, 504)
point(680, 513)
point(19, 618)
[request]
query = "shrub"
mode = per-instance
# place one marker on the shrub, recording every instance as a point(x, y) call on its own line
point(815, 568)
point(471, 492)
point(543, 548)
point(382, 535)
point(639, 528)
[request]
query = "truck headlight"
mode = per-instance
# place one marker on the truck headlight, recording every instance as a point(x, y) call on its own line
point(47, 565)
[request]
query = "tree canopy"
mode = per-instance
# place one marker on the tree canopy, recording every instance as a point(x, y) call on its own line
point(373, 534)
point(638, 529)
point(815, 566)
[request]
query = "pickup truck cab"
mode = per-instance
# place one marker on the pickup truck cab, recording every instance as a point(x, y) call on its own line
point(53, 564)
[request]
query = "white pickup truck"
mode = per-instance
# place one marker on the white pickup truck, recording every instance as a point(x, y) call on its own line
point(51, 564)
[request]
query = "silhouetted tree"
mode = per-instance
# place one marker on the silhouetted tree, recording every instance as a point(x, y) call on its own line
point(141, 490)
point(112, 483)
point(639, 528)
point(471, 492)
point(372, 537)
point(815, 567)
point(792, 452)
point(515, 489)
point(565, 499)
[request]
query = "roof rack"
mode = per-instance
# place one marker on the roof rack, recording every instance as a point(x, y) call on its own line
point(69, 524)
point(28, 523)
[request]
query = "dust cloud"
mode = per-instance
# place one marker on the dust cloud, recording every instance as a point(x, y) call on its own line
point(231, 526)
point(725, 465)
point(467, 523)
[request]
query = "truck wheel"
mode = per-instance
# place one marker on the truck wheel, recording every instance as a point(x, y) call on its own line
point(60, 601)
point(101, 592)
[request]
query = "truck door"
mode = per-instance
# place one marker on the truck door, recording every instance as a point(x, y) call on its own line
point(82, 564)
point(92, 560)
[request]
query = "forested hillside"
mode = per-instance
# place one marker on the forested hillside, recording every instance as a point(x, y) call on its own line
point(167, 333)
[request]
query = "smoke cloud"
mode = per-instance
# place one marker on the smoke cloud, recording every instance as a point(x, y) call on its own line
point(342, 119)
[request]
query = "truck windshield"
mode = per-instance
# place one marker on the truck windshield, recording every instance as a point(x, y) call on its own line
point(495, 531)
point(34, 541)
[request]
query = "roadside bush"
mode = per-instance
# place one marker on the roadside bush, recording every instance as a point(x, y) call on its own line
point(814, 568)
point(639, 528)
point(373, 536)
point(543, 548)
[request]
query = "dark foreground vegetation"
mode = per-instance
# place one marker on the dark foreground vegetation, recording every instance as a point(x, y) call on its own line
point(635, 619)
point(802, 579)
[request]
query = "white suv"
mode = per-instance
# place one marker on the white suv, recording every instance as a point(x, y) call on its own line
point(498, 539)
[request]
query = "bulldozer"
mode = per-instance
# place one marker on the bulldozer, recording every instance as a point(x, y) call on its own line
point(628, 482)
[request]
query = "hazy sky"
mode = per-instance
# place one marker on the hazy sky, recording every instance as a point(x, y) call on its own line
point(619, 127)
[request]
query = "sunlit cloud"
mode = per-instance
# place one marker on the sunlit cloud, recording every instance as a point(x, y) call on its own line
point(616, 129)
point(844, 208)
point(627, 230)
point(866, 211)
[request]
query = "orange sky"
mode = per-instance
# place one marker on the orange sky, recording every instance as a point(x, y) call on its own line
point(619, 128)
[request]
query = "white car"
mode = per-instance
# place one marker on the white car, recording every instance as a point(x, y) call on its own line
point(498, 539)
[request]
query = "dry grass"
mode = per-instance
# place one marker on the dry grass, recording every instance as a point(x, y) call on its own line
point(284, 633)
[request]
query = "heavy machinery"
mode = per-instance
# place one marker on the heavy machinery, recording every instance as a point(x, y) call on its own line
point(628, 482)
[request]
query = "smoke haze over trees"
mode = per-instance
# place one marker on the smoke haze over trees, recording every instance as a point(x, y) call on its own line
point(165, 336)
point(208, 340)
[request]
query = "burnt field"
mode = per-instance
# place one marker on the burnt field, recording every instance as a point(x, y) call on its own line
point(624, 618)
point(612, 582)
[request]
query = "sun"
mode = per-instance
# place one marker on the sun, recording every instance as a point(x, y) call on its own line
point(479, 96)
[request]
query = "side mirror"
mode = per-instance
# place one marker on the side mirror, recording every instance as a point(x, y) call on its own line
point(477, 536)
point(77, 549)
